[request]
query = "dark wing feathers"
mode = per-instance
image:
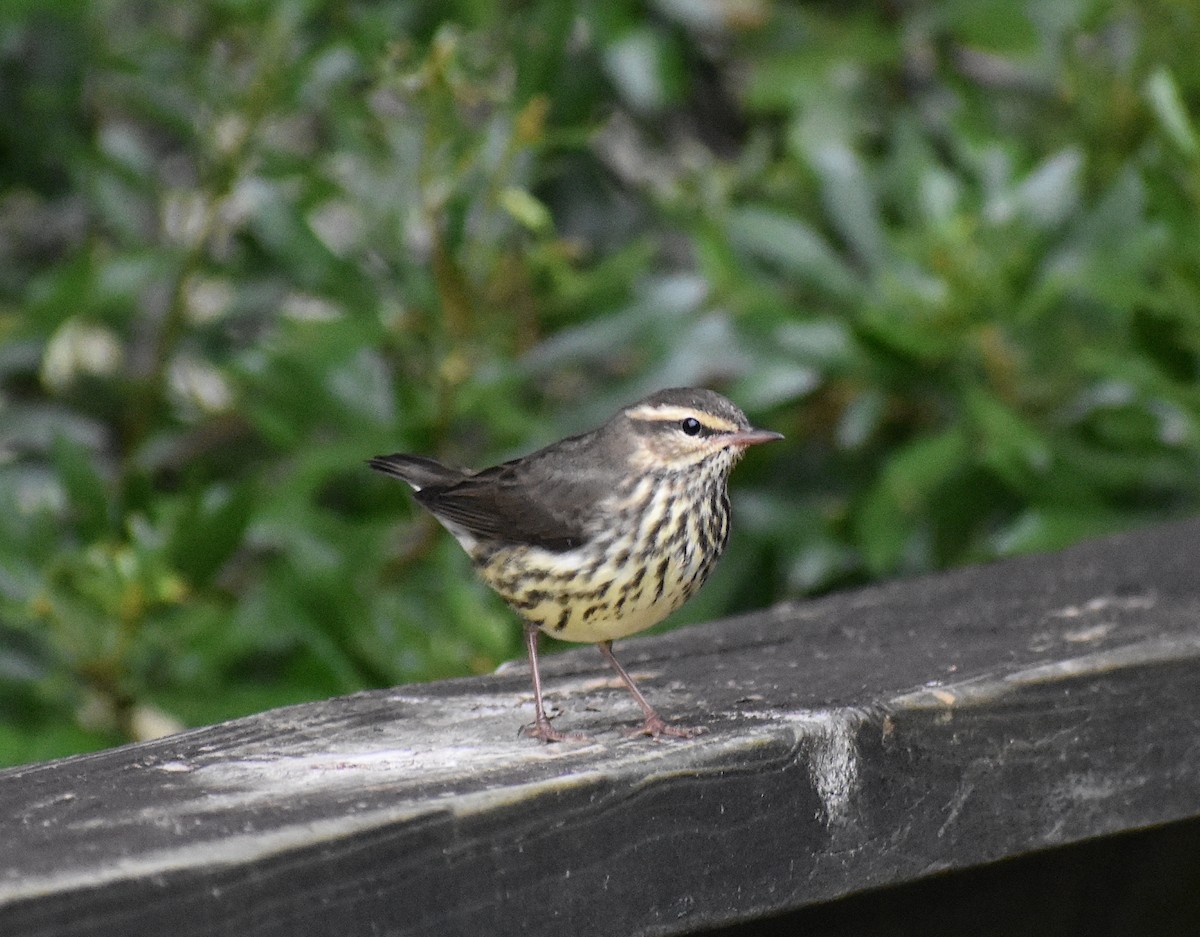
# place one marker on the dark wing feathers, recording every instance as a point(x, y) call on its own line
point(417, 470)
point(546, 499)
point(525, 501)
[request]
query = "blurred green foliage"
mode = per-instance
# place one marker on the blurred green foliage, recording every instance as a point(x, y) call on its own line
point(951, 249)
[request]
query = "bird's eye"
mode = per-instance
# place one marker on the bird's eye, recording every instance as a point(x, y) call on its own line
point(690, 425)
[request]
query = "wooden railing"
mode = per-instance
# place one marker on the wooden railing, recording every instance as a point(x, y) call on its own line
point(866, 739)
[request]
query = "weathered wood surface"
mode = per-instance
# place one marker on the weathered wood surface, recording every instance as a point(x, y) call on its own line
point(866, 738)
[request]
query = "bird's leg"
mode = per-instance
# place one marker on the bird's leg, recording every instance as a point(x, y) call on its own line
point(654, 724)
point(540, 728)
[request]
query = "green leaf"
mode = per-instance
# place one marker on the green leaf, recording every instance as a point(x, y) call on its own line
point(848, 195)
point(48, 739)
point(1050, 193)
point(906, 331)
point(88, 493)
point(1041, 529)
point(998, 25)
point(526, 209)
point(209, 530)
point(1167, 104)
point(792, 245)
point(642, 66)
point(888, 519)
point(1008, 444)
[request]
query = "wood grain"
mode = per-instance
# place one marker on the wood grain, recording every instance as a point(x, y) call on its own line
point(868, 738)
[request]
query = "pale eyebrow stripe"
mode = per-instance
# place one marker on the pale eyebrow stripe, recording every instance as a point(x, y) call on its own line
point(665, 413)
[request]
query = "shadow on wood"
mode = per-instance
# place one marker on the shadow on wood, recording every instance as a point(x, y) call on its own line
point(1145, 883)
point(863, 740)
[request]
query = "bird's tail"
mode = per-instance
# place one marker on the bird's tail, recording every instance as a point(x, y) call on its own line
point(417, 470)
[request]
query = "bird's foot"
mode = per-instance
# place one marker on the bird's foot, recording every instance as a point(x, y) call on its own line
point(654, 726)
point(542, 729)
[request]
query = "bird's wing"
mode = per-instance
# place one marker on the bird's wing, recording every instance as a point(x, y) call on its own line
point(531, 501)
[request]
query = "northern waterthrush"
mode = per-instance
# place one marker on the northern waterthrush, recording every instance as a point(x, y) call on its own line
point(601, 535)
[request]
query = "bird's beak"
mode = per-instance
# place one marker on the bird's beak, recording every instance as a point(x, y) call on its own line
point(751, 437)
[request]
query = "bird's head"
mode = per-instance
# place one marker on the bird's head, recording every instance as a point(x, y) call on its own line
point(676, 429)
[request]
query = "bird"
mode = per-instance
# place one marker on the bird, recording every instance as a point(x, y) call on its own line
point(601, 535)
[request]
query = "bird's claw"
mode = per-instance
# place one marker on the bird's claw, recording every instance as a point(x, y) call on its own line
point(545, 732)
point(654, 726)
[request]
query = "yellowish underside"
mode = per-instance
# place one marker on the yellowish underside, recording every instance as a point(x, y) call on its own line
point(596, 618)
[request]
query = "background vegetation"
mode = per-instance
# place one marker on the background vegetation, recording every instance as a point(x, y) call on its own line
point(950, 248)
